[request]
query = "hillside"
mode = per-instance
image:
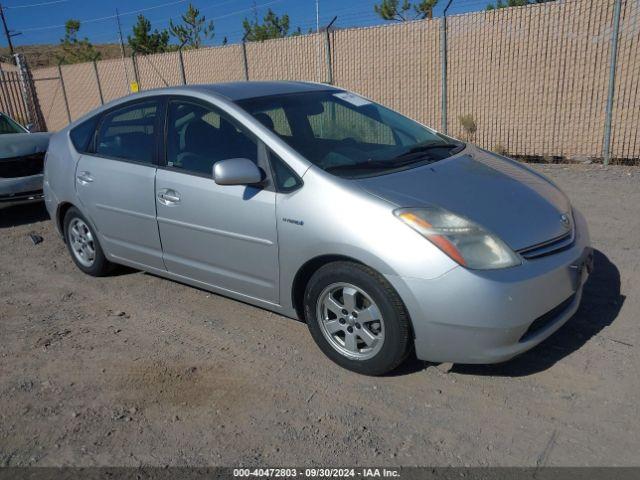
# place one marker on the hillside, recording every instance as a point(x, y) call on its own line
point(39, 56)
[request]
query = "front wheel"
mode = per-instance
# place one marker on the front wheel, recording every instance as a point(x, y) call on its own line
point(357, 318)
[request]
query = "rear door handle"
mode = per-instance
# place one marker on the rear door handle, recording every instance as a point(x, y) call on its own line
point(84, 178)
point(168, 197)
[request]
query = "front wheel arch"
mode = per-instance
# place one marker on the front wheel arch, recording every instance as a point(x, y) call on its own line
point(306, 271)
point(304, 274)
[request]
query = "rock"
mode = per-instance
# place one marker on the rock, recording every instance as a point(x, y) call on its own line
point(445, 367)
point(35, 238)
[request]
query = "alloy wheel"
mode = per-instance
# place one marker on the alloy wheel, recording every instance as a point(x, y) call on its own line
point(82, 242)
point(350, 320)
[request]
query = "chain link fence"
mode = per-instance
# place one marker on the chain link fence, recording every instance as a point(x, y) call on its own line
point(529, 81)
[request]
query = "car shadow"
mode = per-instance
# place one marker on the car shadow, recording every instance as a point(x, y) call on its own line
point(601, 304)
point(16, 214)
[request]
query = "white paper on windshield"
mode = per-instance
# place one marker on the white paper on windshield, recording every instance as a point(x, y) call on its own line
point(352, 98)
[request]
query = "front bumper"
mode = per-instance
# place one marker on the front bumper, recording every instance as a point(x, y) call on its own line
point(468, 316)
point(21, 188)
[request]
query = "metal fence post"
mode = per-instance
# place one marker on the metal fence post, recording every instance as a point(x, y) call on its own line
point(245, 61)
point(64, 93)
point(606, 147)
point(24, 89)
point(183, 76)
point(327, 49)
point(443, 58)
point(95, 70)
point(135, 70)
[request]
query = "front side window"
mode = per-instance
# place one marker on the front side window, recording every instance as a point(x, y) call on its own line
point(129, 133)
point(199, 135)
point(348, 135)
point(285, 178)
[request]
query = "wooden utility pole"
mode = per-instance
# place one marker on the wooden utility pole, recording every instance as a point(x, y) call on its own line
point(7, 33)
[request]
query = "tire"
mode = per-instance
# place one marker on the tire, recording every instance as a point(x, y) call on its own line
point(378, 349)
point(79, 235)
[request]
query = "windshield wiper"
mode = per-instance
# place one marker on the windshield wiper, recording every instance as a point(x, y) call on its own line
point(414, 155)
point(428, 146)
point(374, 165)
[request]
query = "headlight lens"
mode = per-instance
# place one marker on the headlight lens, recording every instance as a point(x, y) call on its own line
point(463, 240)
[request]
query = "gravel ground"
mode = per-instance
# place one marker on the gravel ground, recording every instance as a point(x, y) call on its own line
point(134, 369)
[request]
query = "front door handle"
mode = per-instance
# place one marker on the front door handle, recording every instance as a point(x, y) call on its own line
point(168, 197)
point(84, 178)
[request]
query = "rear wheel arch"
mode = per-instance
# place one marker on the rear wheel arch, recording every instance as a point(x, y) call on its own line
point(63, 208)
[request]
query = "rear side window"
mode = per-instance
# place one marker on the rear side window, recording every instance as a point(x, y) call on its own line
point(129, 133)
point(82, 134)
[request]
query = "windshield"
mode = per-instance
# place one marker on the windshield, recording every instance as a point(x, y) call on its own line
point(9, 126)
point(348, 135)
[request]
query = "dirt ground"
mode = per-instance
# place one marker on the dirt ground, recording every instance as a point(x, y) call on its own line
point(137, 370)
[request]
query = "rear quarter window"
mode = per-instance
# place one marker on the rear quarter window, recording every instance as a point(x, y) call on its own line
point(82, 135)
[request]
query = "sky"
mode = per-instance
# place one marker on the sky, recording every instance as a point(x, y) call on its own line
point(42, 21)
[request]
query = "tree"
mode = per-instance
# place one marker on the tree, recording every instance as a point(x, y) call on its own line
point(393, 10)
point(272, 26)
point(144, 41)
point(193, 29)
point(75, 50)
point(514, 3)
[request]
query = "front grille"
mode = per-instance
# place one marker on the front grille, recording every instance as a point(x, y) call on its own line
point(550, 247)
point(547, 319)
point(22, 166)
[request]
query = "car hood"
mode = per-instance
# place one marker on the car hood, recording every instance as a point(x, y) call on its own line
point(14, 145)
point(519, 205)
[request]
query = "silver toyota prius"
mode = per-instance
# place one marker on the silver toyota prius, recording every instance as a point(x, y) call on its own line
point(382, 234)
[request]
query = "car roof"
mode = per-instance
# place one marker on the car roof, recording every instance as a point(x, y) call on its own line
point(231, 91)
point(249, 89)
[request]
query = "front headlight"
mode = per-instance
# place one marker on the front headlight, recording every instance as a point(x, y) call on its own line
point(461, 239)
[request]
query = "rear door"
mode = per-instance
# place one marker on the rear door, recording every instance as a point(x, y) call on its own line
point(221, 235)
point(116, 182)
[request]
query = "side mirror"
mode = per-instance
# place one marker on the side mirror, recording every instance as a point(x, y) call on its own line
point(236, 171)
point(29, 127)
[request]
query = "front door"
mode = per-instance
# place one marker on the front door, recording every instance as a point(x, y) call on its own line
point(116, 184)
point(223, 236)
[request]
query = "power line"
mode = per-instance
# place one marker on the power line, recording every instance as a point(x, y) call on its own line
point(108, 17)
point(41, 4)
point(133, 12)
point(156, 21)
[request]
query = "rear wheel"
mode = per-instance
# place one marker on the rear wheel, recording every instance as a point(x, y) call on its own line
point(357, 318)
point(83, 244)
